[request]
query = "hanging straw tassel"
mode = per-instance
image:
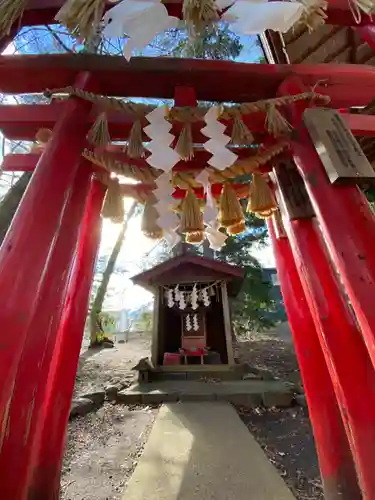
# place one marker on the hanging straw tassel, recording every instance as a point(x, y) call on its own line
point(135, 148)
point(366, 6)
point(82, 17)
point(276, 124)
point(264, 215)
point(149, 225)
point(184, 146)
point(261, 199)
point(194, 238)
point(113, 207)
point(198, 13)
point(10, 11)
point(231, 215)
point(241, 135)
point(99, 134)
point(191, 217)
point(314, 14)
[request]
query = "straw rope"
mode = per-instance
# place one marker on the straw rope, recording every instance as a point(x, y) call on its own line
point(185, 114)
point(186, 180)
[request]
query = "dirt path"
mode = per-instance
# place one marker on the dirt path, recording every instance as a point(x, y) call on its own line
point(284, 434)
point(103, 447)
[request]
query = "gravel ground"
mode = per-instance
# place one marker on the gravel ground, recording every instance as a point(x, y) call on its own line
point(103, 447)
point(284, 434)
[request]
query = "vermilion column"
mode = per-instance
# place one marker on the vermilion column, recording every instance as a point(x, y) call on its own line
point(347, 222)
point(31, 380)
point(27, 245)
point(345, 353)
point(335, 459)
point(49, 442)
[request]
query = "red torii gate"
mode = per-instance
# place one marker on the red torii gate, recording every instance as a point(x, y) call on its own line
point(55, 234)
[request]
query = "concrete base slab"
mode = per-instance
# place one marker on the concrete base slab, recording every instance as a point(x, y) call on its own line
point(202, 451)
point(243, 392)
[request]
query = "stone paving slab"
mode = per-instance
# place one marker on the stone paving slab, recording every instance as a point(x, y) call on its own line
point(203, 451)
point(242, 392)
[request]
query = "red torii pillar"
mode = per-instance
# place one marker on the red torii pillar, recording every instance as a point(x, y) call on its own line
point(31, 258)
point(340, 342)
point(49, 442)
point(347, 222)
point(31, 381)
point(335, 459)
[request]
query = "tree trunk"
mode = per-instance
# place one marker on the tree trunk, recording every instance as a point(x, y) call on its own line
point(10, 202)
point(207, 251)
point(102, 289)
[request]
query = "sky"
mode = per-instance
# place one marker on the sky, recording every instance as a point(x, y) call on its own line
point(133, 254)
point(123, 294)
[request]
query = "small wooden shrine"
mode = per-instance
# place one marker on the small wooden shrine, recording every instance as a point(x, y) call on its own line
point(192, 324)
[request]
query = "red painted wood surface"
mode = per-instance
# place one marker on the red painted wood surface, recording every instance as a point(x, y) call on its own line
point(342, 345)
point(347, 85)
point(26, 249)
point(349, 228)
point(179, 193)
point(335, 459)
point(39, 12)
point(367, 33)
point(50, 436)
point(23, 121)
point(31, 381)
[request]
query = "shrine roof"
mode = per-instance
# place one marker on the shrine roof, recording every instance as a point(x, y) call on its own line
point(344, 44)
point(191, 268)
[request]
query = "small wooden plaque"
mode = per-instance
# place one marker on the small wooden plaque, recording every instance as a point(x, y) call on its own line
point(278, 225)
point(293, 190)
point(339, 151)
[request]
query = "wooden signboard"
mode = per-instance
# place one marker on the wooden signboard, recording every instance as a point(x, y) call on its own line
point(293, 190)
point(339, 151)
point(278, 225)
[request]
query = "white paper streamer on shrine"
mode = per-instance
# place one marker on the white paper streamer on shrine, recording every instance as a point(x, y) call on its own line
point(222, 157)
point(140, 20)
point(164, 158)
point(206, 298)
point(182, 302)
point(195, 323)
point(170, 300)
point(215, 237)
point(251, 17)
point(168, 220)
point(188, 323)
point(162, 155)
point(194, 298)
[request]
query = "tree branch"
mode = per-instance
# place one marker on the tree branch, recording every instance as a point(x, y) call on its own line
point(58, 39)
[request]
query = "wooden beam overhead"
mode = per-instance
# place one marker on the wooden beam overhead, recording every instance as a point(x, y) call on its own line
point(22, 122)
point(27, 163)
point(43, 12)
point(224, 81)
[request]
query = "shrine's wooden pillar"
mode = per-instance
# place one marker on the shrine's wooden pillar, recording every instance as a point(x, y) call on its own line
point(35, 262)
point(335, 459)
point(340, 340)
point(50, 435)
point(32, 376)
point(347, 222)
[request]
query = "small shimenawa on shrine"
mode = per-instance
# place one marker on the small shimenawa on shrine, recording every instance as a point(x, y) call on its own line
point(277, 140)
